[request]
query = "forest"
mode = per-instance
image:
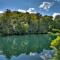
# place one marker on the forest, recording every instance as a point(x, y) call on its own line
point(17, 23)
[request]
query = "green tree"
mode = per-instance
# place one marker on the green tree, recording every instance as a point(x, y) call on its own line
point(55, 44)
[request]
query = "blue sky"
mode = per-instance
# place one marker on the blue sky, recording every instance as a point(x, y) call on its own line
point(45, 7)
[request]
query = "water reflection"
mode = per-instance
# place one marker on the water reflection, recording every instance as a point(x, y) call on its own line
point(15, 45)
point(26, 57)
point(44, 55)
point(21, 57)
point(2, 57)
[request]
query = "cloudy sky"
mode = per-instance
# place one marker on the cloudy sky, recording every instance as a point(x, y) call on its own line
point(45, 7)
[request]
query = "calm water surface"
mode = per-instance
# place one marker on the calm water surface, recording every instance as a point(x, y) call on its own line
point(15, 45)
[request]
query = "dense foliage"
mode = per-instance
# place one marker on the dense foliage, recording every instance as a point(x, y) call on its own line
point(14, 22)
point(56, 45)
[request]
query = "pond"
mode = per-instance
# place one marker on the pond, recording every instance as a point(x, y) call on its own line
point(16, 45)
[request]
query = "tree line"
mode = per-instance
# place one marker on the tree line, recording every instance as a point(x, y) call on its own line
point(14, 22)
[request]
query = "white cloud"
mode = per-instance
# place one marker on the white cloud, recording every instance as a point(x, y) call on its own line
point(21, 10)
point(46, 5)
point(1, 11)
point(55, 14)
point(30, 10)
point(33, 54)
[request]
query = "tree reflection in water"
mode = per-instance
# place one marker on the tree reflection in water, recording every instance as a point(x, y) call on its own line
point(15, 45)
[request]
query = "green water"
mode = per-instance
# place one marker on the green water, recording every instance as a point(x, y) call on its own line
point(15, 45)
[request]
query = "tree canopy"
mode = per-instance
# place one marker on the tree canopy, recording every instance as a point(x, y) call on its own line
point(14, 22)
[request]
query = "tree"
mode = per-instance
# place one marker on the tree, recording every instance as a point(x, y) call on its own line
point(57, 22)
point(56, 45)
